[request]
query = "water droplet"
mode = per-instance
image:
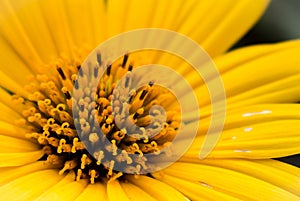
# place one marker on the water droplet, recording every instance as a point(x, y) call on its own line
point(256, 113)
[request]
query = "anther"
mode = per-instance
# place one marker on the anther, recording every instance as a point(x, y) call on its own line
point(128, 159)
point(127, 79)
point(61, 107)
point(99, 156)
point(80, 71)
point(93, 137)
point(139, 112)
point(151, 83)
point(137, 149)
point(83, 161)
point(108, 70)
point(66, 93)
point(61, 72)
point(68, 166)
point(95, 72)
point(75, 141)
point(125, 59)
point(99, 58)
point(143, 94)
point(93, 175)
point(114, 147)
point(130, 67)
point(79, 173)
point(111, 167)
point(116, 176)
point(62, 142)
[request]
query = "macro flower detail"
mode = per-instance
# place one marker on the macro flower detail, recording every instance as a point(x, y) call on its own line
point(67, 135)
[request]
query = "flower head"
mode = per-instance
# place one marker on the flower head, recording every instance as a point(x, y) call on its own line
point(66, 135)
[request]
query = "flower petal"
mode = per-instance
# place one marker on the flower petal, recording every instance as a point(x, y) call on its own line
point(11, 144)
point(20, 158)
point(93, 192)
point(29, 186)
point(10, 173)
point(263, 140)
point(197, 190)
point(257, 131)
point(207, 22)
point(115, 191)
point(277, 173)
point(232, 182)
point(12, 130)
point(66, 189)
point(69, 191)
point(135, 193)
point(271, 77)
point(13, 31)
point(87, 21)
point(157, 189)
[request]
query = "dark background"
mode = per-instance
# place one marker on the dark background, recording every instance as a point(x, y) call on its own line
point(280, 22)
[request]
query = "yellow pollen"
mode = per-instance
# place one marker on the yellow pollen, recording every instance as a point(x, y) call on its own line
point(69, 165)
point(119, 125)
point(79, 173)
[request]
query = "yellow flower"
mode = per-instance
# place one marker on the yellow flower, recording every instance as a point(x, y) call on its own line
point(44, 42)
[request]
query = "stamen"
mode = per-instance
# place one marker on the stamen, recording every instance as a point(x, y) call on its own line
point(93, 174)
point(125, 60)
point(142, 96)
point(116, 176)
point(69, 165)
point(108, 70)
point(66, 93)
point(99, 59)
point(79, 173)
point(47, 112)
point(130, 67)
point(99, 156)
point(111, 167)
point(61, 73)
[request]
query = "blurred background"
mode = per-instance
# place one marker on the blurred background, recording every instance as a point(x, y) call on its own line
point(280, 22)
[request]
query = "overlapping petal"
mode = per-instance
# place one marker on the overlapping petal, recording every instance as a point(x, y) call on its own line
point(253, 180)
point(256, 79)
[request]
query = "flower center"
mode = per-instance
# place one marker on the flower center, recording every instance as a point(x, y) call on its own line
point(107, 127)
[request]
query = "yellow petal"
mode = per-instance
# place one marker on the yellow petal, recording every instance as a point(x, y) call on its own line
point(246, 54)
point(215, 25)
point(277, 173)
point(11, 145)
point(93, 192)
point(12, 64)
point(197, 190)
point(29, 186)
point(61, 33)
point(86, 21)
point(115, 192)
point(13, 31)
point(253, 114)
point(135, 193)
point(237, 183)
point(260, 80)
point(236, 22)
point(156, 189)
point(66, 179)
point(13, 103)
point(8, 115)
point(20, 158)
point(10, 173)
point(12, 130)
point(262, 140)
point(12, 85)
point(69, 191)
